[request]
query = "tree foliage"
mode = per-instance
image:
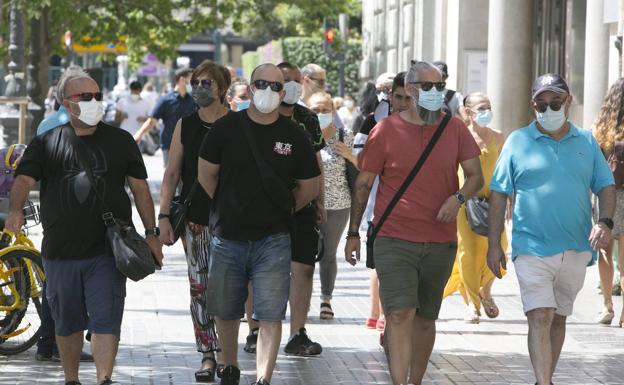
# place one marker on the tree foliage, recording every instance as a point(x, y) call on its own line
point(302, 51)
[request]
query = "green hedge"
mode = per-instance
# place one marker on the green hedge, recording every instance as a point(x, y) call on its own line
point(305, 50)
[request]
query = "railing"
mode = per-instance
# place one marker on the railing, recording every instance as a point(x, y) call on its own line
point(23, 103)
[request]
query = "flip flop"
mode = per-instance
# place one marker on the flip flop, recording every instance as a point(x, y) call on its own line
point(489, 307)
point(371, 323)
point(326, 311)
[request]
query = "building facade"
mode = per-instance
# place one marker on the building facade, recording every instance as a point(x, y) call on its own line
point(499, 47)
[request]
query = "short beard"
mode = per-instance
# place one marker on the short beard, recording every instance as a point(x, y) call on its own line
point(429, 117)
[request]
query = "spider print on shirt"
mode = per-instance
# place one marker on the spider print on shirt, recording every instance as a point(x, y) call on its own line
point(76, 188)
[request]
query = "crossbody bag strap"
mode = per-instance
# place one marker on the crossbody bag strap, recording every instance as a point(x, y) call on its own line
point(265, 170)
point(412, 174)
point(107, 215)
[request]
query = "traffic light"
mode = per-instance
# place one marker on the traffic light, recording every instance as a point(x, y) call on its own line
point(329, 36)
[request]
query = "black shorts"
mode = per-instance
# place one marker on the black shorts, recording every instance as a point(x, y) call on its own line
point(305, 236)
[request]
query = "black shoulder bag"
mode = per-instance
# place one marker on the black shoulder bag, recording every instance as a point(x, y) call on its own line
point(351, 171)
point(273, 185)
point(133, 257)
point(178, 210)
point(373, 229)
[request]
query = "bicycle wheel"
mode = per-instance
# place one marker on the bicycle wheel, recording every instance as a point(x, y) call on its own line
point(23, 325)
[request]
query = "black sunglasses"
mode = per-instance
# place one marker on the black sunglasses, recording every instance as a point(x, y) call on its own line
point(263, 84)
point(426, 86)
point(555, 105)
point(87, 96)
point(205, 83)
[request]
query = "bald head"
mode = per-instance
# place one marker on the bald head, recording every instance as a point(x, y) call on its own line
point(268, 72)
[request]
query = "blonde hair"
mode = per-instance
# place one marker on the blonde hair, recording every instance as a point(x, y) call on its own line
point(608, 127)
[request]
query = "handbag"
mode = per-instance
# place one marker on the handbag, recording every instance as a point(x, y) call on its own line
point(133, 256)
point(178, 210)
point(351, 171)
point(373, 229)
point(477, 215)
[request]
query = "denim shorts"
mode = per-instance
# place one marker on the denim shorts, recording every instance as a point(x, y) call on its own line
point(234, 263)
point(85, 294)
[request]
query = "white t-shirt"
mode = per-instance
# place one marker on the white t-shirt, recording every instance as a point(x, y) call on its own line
point(133, 110)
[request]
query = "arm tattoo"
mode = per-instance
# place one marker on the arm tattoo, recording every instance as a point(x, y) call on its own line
point(359, 199)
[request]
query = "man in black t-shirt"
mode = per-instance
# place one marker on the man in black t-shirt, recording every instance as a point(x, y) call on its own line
point(249, 163)
point(84, 288)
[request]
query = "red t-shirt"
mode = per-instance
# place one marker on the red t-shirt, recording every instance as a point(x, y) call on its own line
point(391, 151)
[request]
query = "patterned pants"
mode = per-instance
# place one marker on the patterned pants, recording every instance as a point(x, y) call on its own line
point(198, 259)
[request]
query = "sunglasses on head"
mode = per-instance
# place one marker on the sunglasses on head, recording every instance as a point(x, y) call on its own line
point(555, 105)
point(426, 86)
point(205, 83)
point(263, 84)
point(87, 96)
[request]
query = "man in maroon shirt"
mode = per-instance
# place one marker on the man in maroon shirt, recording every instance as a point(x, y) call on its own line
point(415, 248)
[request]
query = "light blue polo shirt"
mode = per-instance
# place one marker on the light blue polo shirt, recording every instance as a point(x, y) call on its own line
point(58, 118)
point(551, 181)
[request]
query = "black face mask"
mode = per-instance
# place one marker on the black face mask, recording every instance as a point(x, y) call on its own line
point(287, 105)
point(202, 96)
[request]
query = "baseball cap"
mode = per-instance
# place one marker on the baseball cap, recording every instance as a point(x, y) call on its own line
point(549, 82)
point(384, 79)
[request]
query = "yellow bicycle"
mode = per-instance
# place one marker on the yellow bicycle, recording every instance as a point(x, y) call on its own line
point(21, 285)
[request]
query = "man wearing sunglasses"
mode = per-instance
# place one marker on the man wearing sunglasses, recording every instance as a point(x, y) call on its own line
point(83, 286)
point(550, 167)
point(259, 167)
point(416, 246)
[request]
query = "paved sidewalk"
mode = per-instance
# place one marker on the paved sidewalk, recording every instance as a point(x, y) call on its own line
point(157, 344)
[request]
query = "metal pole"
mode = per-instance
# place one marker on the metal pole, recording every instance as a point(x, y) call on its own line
point(343, 25)
point(216, 39)
point(15, 82)
point(33, 86)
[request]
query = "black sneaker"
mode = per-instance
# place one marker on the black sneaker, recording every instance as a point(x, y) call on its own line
point(230, 375)
point(107, 381)
point(73, 383)
point(301, 345)
point(252, 341)
point(261, 381)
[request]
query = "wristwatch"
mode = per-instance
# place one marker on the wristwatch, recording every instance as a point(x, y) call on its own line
point(607, 222)
point(155, 231)
point(460, 197)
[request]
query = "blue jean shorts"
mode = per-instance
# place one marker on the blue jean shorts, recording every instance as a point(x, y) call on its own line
point(85, 294)
point(234, 263)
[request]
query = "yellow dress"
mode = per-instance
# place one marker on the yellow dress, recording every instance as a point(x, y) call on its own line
point(470, 271)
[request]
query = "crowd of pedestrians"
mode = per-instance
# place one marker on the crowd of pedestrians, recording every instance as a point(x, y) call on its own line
point(274, 169)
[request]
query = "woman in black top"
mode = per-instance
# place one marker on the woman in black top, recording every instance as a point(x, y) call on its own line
point(210, 82)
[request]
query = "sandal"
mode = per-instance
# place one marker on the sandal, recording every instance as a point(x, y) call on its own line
point(472, 317)
point(208, 374)
point(326, 311)
point(489, 307)
point(371, 323)
point(381, 325)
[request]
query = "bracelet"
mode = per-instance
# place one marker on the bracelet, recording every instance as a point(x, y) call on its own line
point(607, 222)
point(163, 216)
point(353, 235)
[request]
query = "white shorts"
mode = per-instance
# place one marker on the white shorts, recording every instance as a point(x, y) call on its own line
point(553, 281)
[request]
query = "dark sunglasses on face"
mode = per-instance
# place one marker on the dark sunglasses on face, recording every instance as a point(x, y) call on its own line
point(263, 84)
point(205, 83)
point(87, 96)
point(426, 86)
point(555, 105)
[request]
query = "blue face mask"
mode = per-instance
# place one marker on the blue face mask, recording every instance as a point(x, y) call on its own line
point(431, 100)
point(484, 118)
point(242, 105)
point(189, 88)
point(325, 120)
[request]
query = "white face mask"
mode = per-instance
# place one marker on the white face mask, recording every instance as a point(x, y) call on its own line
point(325, 119)
point(293, 92)
point(348, 104)
point(550, 120)
point(135, 97)
point(91, 112)
point(266, 100)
